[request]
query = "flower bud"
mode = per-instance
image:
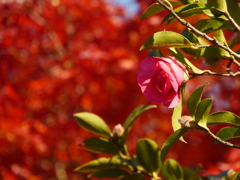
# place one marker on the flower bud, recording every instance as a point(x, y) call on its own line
point(117, 131)
point(187, 122)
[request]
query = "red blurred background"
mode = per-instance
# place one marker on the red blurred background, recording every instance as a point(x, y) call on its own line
point(59, 57)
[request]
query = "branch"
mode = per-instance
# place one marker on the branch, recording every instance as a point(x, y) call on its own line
point(218, 139)
point(196, 31)
point(216, 74)
point(231, 20)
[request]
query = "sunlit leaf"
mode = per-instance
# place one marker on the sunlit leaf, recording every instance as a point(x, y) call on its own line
point(109, 173)
point(220, 5)
point(166, 39)
point(177, 114)
point(172, 170)
point(148, 155)
point(103, 163)
point(181, 58)
point(134, 115)
point(194, 100)
point(202, 112)
point(170, 142)
point(187, 1)
point(99, 145)
point(136, 176)
point(93, 123)
point(223, 117)
point(192, 38)
point(187, 10)
point(229, 133)
point(210, 25)
point(156, 8)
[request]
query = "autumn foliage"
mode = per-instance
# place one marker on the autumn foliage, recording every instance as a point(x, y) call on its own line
point(62, 57)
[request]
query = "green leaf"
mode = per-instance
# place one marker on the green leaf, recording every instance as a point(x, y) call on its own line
point(109, 173)
point(166, 39)
point(214, 55)
point(187, 10)
point(191, 37)
point(156, 8)
point(133, 116)
point(148, 155)
point(172, 170)
point(194, 100)
point(234, 10)
point(223, 117)
point(191, 173)
point(177, 114)
point(229, 133)
point(210, 25)
point(236, 176)
point(93, 123)
point(136, 176)
point(170, 142)
point(99, 145)
point(220, 5)
point(181, 58)
point(187, 1)
point(103, 163)
point(202, 112)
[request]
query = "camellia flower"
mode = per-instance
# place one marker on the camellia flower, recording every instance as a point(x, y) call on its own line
point(160, 80)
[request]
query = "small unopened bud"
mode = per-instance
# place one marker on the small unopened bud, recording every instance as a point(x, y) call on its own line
point(118, 130)
point(230, 174)
point(187, 122)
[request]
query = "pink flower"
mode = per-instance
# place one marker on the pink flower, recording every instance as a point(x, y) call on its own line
point(160, 80)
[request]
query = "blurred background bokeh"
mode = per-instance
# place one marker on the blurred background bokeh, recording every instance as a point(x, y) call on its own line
point(59, 57)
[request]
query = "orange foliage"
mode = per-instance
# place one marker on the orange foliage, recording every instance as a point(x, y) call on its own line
point(61, 57)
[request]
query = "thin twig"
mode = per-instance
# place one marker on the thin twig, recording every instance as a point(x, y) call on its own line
point(196, 31)
point(218, 139)
point(216, 74)
point(231, 20)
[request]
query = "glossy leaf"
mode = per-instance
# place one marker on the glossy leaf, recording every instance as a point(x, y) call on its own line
point(156, 8)
point(109, 173)
point(193, 38)
point(187, 10)
point(223, 117)
point(194, 100)
point(93, 123)
point(99, 145)
point(172, 170)
point(170, 142)
point(103, 163)
point(166, 39)
point(202, 112)
point(187, 1)
point(134, 115)
point(181, 58)
point(229, 133)
point(220, 5)
point(133, 177)
point(177, 114)
point(210, 25)
point(148, 155)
